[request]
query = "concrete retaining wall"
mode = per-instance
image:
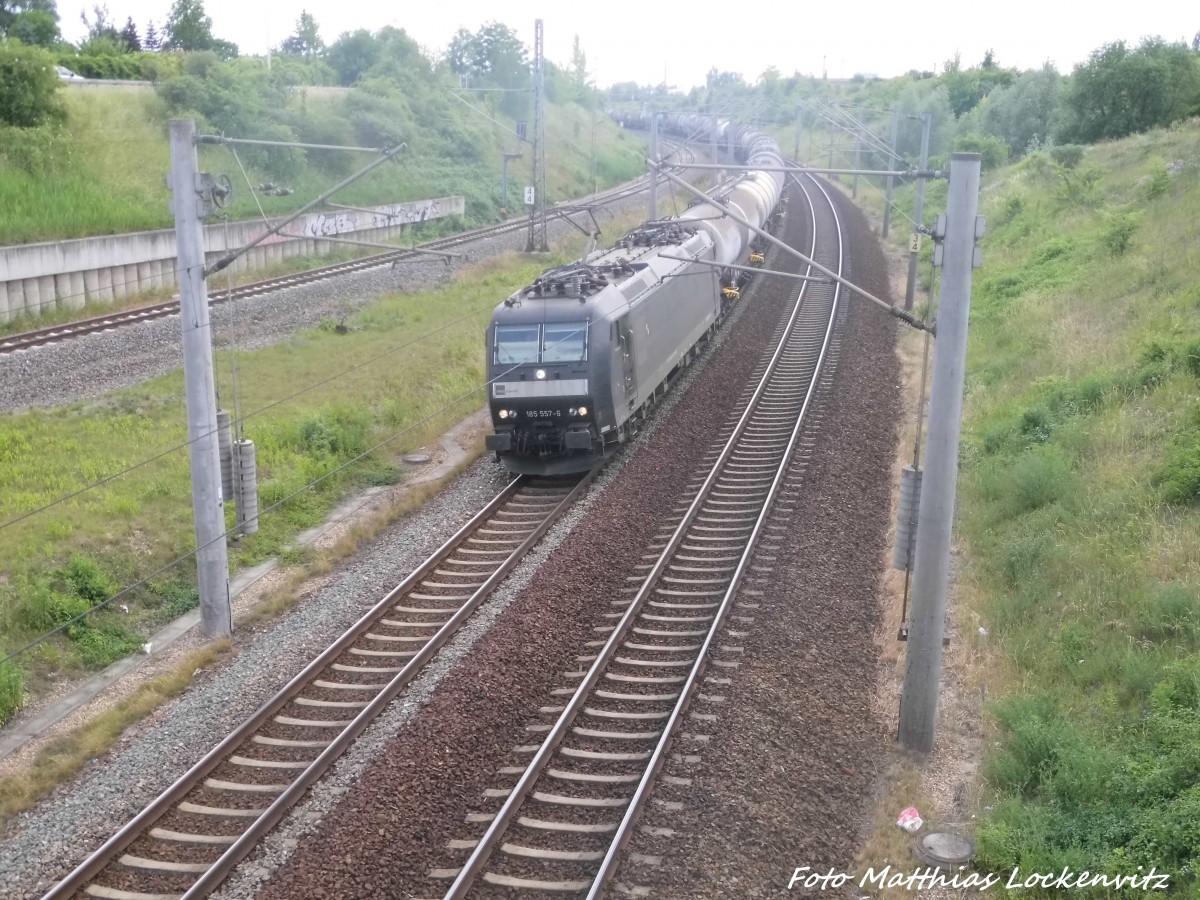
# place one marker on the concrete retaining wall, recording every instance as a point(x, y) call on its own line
point(35, 278)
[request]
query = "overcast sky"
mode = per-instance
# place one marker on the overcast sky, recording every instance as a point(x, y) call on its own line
point(647, 41)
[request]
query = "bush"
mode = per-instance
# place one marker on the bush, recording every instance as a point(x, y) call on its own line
point(44, 607)
point(1191, 358)
point(1118, 233)
point(1080, 187)
point(1158, 183)
point(1067, 155)
point(100, 645)
point(88, 580)
point(993, 150)
point(1039, 477)
point(30, 96)
point(1178, 479)
point(337, 433)
point(40, 151)
point(176, 597)
point(114, 67)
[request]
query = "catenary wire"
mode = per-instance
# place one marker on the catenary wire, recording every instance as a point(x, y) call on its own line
point(316, 481)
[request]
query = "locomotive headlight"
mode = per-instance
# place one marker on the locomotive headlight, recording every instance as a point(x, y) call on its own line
point(503, 413)
point(583, 410)
point(540, 373)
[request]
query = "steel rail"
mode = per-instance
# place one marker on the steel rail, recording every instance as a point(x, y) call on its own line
point(221, 868)
point(80, 327)
point(658, 756)
point(507, 814)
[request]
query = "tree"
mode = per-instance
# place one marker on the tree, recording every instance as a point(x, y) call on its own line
point(151, 41)
point(962, 86)
point(1023, 113)
point(579, 70)
point(36, 28)
point(726, 91)
point(129, 36)
point(495, 57)
point(353, 55)
point(189, 28)
point(100, 25)
point(30, 95)
point(307, 39)
point(33, 22)
point(1119, 92)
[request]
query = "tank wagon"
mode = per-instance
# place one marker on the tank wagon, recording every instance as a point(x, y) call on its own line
point(577, 358)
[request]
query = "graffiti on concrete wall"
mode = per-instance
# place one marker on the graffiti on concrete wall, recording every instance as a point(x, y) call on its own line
point(334, 224)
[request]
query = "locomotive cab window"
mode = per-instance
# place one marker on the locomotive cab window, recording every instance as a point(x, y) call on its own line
point(517, 344)
point(565, 342)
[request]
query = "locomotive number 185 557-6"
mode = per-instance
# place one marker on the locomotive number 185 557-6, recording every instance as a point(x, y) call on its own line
point(544, 413)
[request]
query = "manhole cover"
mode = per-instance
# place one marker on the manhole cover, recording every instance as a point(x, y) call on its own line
point(418, 459)
point(942, 849)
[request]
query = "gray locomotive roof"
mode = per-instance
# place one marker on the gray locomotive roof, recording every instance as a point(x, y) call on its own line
point(644, 269)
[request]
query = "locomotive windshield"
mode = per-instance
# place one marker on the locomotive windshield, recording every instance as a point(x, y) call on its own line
point(565, 343)
point(517, 344)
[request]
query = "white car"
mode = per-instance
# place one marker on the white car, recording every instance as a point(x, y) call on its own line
point(66, 74)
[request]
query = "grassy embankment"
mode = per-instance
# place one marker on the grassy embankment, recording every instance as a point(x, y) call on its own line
point(417, 352)
point(1079, 478)
point(105, 171)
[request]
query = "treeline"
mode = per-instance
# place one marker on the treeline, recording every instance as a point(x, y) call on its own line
point(196, 71)
point(444, 106)
point(1001, 112)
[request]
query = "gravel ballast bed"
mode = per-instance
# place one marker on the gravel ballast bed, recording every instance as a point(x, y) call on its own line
point(38, 847)
point(88, 367)
point(42, 845)
point(786, 779)
point(415, 796)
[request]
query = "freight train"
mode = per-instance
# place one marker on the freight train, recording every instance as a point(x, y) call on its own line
point(577, 359)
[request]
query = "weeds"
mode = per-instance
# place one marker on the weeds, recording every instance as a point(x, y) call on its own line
point(1078, 511)
point(1118, 233)
point(66, 756)
point(12, 690)
point(60, 564)
point(102, 173)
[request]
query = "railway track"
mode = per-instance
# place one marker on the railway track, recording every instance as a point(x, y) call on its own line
point(193, 835)
point(55, 333)
point(564, 808)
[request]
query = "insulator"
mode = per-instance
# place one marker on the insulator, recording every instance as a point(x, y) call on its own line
point(225, 440)
point(245, 478)
point(906, 518)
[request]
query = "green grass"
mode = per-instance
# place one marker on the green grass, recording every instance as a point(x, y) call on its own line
point(105, 171)
point(427, 349)
point(1078, 488)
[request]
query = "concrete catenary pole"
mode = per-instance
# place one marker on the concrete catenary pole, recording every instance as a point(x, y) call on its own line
point(653, 211)
point(537, 214)
point(799, 125)
point(923, 654)
point(919, 212)
point(858, 151)
point(887, 206)
point(208, 510)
